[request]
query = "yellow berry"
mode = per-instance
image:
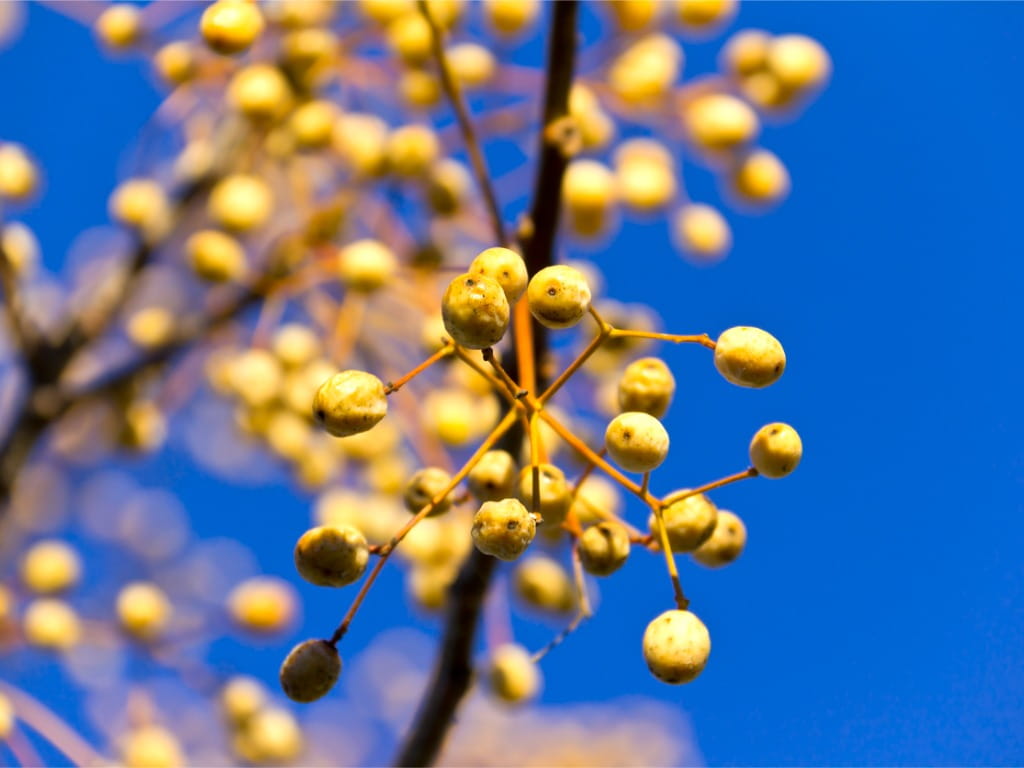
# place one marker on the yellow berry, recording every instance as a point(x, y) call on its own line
point(255, 377)
point(504, 266)
point(472, 64)
point(331, 555)
point(689, 521)
point(215, 256)
point(746, 52)
point(597, 498)
point(423, 486)
point(21, 247)
point(503, 528)
point(412, 149)
point(366, 265)
point(409, 38)
point(761, 178)
point(726, 543)
point(604, 548)
point(588, 190)
point(718, 121)
point(448, 187)
point(555, 495)
point(510, 17)
point(642, 75)
point(644, 174)
point(634, 15)
point(749, 357)
point(703, 233)
point(271, 736)
point(262, 604)
point(350, 402)
point(241, 698)
point(241, 202)
point(494, 476)
point(52, 624)
point(119, 26)
point(419, 88)
point(543, 583)
point(50, 566)
point(428, 585)
point(145, 427)
point(142, 205)
point(559, 296)
point(150, 746)
point(19, 178)
point(175, 62)
point(310, 670)
point(295, 345)
point(701, 14)
point(361, 140)
point(799, 62)
point(647, 385)
point(676, 647)
point(260, 92)
point(475, 311)
point(512, 674)
point(776, 450)
point(312, 124)
point(143, 610)
point(293, 14)
point(636, 441)
point(231, 26)
point(6, 717)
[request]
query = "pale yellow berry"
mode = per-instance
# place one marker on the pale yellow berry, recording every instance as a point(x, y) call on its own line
point(312, 124)
point(764, 89)
point(597, 498)
point(689, 521)
point(701, 14)
point(310, 670)
point(289, 435)
point(271, 736)
point(19, 177)
point(458, 416)
point(262, 604)
point(504, 266)
point(512, 674)
point(6, 717)
point(293, 14)
point(761, 178)
point(143, 610)
point(472, 65)
point(702, 233)
point(52, 624)
point(215, 256)
point(385, 11)
point(412, 150)
point(21, 247)
point(50, 566)
point(726, 542)
point(718, 121)
point(643, 74)
point(449, 185)
point(145, 426)
point(475, 311)
point(749, 357)
point(142, 205)
point(555, 495)
point(647, 385)
point(231, 26)
point(260, 92)
point(746, 53)
point(428, 585)
point(241, 698)
point(634, 15)
point(119, 26)
point(419, 88)
point(799, 62)
point(409, 38)
point(776, 450)
point(494, 476)
point(596, 128)
point(175, 62)
point(604, 548)
point(636, 441)
point(295, 345)
point(423, 486)
point(510, 17)
point(350, 402)
point(151, 746)
point(676, 647)
point(588, 190)
point(503, 528)
point(543, 583)
point(332, 555)
point(645, 175)
point(559, 296)
point(366, 265)
point(362, 140)
point(241, 202)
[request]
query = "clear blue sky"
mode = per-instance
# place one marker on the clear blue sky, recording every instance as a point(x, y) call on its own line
point(878, 614)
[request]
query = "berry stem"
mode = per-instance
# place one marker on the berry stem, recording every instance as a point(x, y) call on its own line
point(443, 352)
point(575, 365)
point(700, 338)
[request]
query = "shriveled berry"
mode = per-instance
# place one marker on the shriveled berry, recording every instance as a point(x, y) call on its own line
point(604, 548)
point(689, 521)
point(676, 647)
point(331, 555)
point(559, 296)
point(310, 670)
point(636, 441)
point(350, 402)
point(726, 543)
point(504, 266)
point(776, 450)
point(749, 357)
point(423, 486)
point(475, 311)
point(503, 528)
point(494, 476)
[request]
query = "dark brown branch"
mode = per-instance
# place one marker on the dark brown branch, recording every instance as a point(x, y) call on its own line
point(453, 671)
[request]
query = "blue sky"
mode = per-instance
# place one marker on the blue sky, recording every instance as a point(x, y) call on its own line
point(877, 614)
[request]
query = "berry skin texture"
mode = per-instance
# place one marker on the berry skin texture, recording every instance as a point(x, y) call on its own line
point(555, 496)
point(475, 311)
point(506, 267)
point(559, 296)
point(310, 670)
point(726, 542)
point(647, 385)
point(423, 486)
point(749, 357)
point(350, 402)
point(676, 647)
point(689, 521)
point(503, 528)
point(636, 441)
point(494, 476)
point(231, 26)
point(604, 548)
point(513, 676)
point(331, 555)
point(775, 450)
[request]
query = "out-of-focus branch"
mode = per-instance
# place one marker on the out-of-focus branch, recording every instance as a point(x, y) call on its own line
point(453, 670)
